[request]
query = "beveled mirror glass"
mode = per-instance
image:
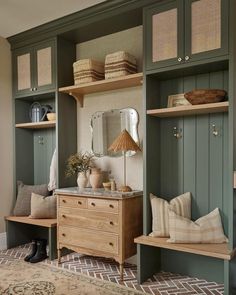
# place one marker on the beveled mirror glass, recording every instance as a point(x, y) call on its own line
point(107, 125)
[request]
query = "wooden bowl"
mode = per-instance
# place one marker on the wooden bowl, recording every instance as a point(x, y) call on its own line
point(51, 116)
point(202, 96)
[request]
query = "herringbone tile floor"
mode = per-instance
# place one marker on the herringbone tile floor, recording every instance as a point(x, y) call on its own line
point(162, 283)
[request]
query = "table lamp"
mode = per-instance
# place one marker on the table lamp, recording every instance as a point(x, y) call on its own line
point(124, 142)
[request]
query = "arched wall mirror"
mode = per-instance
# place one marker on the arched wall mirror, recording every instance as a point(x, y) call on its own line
point(107, 125)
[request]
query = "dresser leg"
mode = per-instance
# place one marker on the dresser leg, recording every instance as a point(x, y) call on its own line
point(58, 256)
point(121, 271)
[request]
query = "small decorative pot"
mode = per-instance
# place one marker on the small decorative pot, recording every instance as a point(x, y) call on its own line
point(95, 178)
point(82, 180)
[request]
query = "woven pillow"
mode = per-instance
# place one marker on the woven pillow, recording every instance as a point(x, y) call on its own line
point(160, 212)
point(207, 229)
point(43, 207)
point(22, 206)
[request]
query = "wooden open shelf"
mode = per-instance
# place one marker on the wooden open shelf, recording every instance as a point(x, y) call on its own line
point(37, 125)
point(78, 91)
point(33, 221)
point(220, 251)
point(188, 110)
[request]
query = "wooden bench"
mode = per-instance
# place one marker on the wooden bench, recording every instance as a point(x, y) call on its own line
point(22, 229)
point(219, 251)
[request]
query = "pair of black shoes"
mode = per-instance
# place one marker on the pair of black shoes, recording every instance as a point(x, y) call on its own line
point(38, 251)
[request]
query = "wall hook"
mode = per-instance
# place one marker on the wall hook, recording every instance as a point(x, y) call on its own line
point(40, 140)
point(215, 132)
point(177, 132)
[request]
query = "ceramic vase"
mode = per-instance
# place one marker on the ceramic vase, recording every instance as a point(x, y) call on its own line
point(95, 178)
point(82, 180)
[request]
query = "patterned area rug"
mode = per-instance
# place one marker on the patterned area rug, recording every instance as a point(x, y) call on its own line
point(22, 278)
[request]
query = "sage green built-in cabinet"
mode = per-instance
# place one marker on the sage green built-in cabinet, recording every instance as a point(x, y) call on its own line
point(184, 31)
point(34, 69)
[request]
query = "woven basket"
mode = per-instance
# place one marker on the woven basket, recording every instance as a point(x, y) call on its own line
point(202, 96)
point(119, 64)
point(88, 70)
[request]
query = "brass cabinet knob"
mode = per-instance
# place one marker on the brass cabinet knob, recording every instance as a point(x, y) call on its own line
point(111, 206)
point(79, 202)
point(93, 204)
point(111, 244)
point(63, 215)
point(111, 223)
point(63, 235)
point(64, 201)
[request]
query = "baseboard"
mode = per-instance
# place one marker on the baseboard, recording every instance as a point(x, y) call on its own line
point(3, 241)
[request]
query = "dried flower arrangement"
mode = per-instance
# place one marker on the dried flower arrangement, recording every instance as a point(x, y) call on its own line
point(79, 162)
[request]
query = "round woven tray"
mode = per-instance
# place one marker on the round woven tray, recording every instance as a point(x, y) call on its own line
point(202, 96)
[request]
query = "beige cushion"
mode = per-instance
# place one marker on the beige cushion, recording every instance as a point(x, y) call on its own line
point(43, 207)
point(160, 212)
point(207, 229)
point(22, 206)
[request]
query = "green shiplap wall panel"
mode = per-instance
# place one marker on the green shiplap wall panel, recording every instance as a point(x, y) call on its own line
point(44, 145)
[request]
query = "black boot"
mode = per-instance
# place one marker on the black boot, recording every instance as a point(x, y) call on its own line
point(41, 252)
point(33, 251)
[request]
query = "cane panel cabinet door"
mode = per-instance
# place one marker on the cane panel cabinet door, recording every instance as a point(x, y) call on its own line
point(34, 69)
point(178, 32)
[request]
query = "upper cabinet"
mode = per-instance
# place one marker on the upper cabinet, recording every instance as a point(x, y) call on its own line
point(34, 69)
point(183, 31)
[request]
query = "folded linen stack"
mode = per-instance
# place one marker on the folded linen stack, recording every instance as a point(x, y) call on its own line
point(88, 70)
point(119, 64)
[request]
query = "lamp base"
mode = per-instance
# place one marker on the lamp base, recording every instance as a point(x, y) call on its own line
point(125, 189)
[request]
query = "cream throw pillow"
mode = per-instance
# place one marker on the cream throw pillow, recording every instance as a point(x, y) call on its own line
point(207, 229)
point(43, 207)
point(160, 212)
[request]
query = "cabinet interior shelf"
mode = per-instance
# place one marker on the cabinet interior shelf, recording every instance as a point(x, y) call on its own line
point(188, 110)
point(37, 125)
point(78, 91)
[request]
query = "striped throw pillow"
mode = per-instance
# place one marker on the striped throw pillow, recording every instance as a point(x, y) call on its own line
point(160, 212)
point(207, 229)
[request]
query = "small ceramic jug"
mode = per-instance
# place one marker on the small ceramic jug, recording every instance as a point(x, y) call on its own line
point(95, 178)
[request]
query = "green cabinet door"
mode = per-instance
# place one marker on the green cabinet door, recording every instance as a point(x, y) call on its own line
point(34, 69)
point(163, 34)
point(184, 31)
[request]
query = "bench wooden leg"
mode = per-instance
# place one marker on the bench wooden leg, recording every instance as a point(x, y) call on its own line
point(52, 242)
point(149, 262)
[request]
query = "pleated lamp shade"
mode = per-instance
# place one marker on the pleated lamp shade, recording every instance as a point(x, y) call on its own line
point(124, 142)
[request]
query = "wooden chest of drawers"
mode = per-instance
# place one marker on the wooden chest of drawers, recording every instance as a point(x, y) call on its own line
point(99, 225)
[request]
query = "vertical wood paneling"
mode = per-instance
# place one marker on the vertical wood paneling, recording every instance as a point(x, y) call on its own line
point(226, 175)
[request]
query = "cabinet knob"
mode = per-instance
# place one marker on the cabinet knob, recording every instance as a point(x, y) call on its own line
point(111, 244)
point(187, 58)
point(63, 235)
point(111, 223)
point(79, 202)
point(93, 204)
point(179, 59)
point(111, 206)
point(64, 201)
point(63, 215)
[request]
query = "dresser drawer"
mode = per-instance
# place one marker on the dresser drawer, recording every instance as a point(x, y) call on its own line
point(73, 202)
point(103, 205)
point(89, 239)
point(101, 221)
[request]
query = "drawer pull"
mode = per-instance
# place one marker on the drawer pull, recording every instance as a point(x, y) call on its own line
point(79, 202)
point(64, 201)
point(111, 244)
point(111, 206)
point(111, 223)
point(93, 204)
point(63, 235)
point(63, 215)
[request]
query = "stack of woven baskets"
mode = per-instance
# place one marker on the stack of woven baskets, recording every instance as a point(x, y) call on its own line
point(119, 64)
point(88, 70)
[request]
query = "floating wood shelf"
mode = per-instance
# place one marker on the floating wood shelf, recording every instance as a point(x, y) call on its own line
point(33, 221)
point(37, 125)
point(188, 110)
point(78, 91)
point(220, 251)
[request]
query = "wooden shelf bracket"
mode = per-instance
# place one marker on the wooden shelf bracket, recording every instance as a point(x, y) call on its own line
point(78, 97)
